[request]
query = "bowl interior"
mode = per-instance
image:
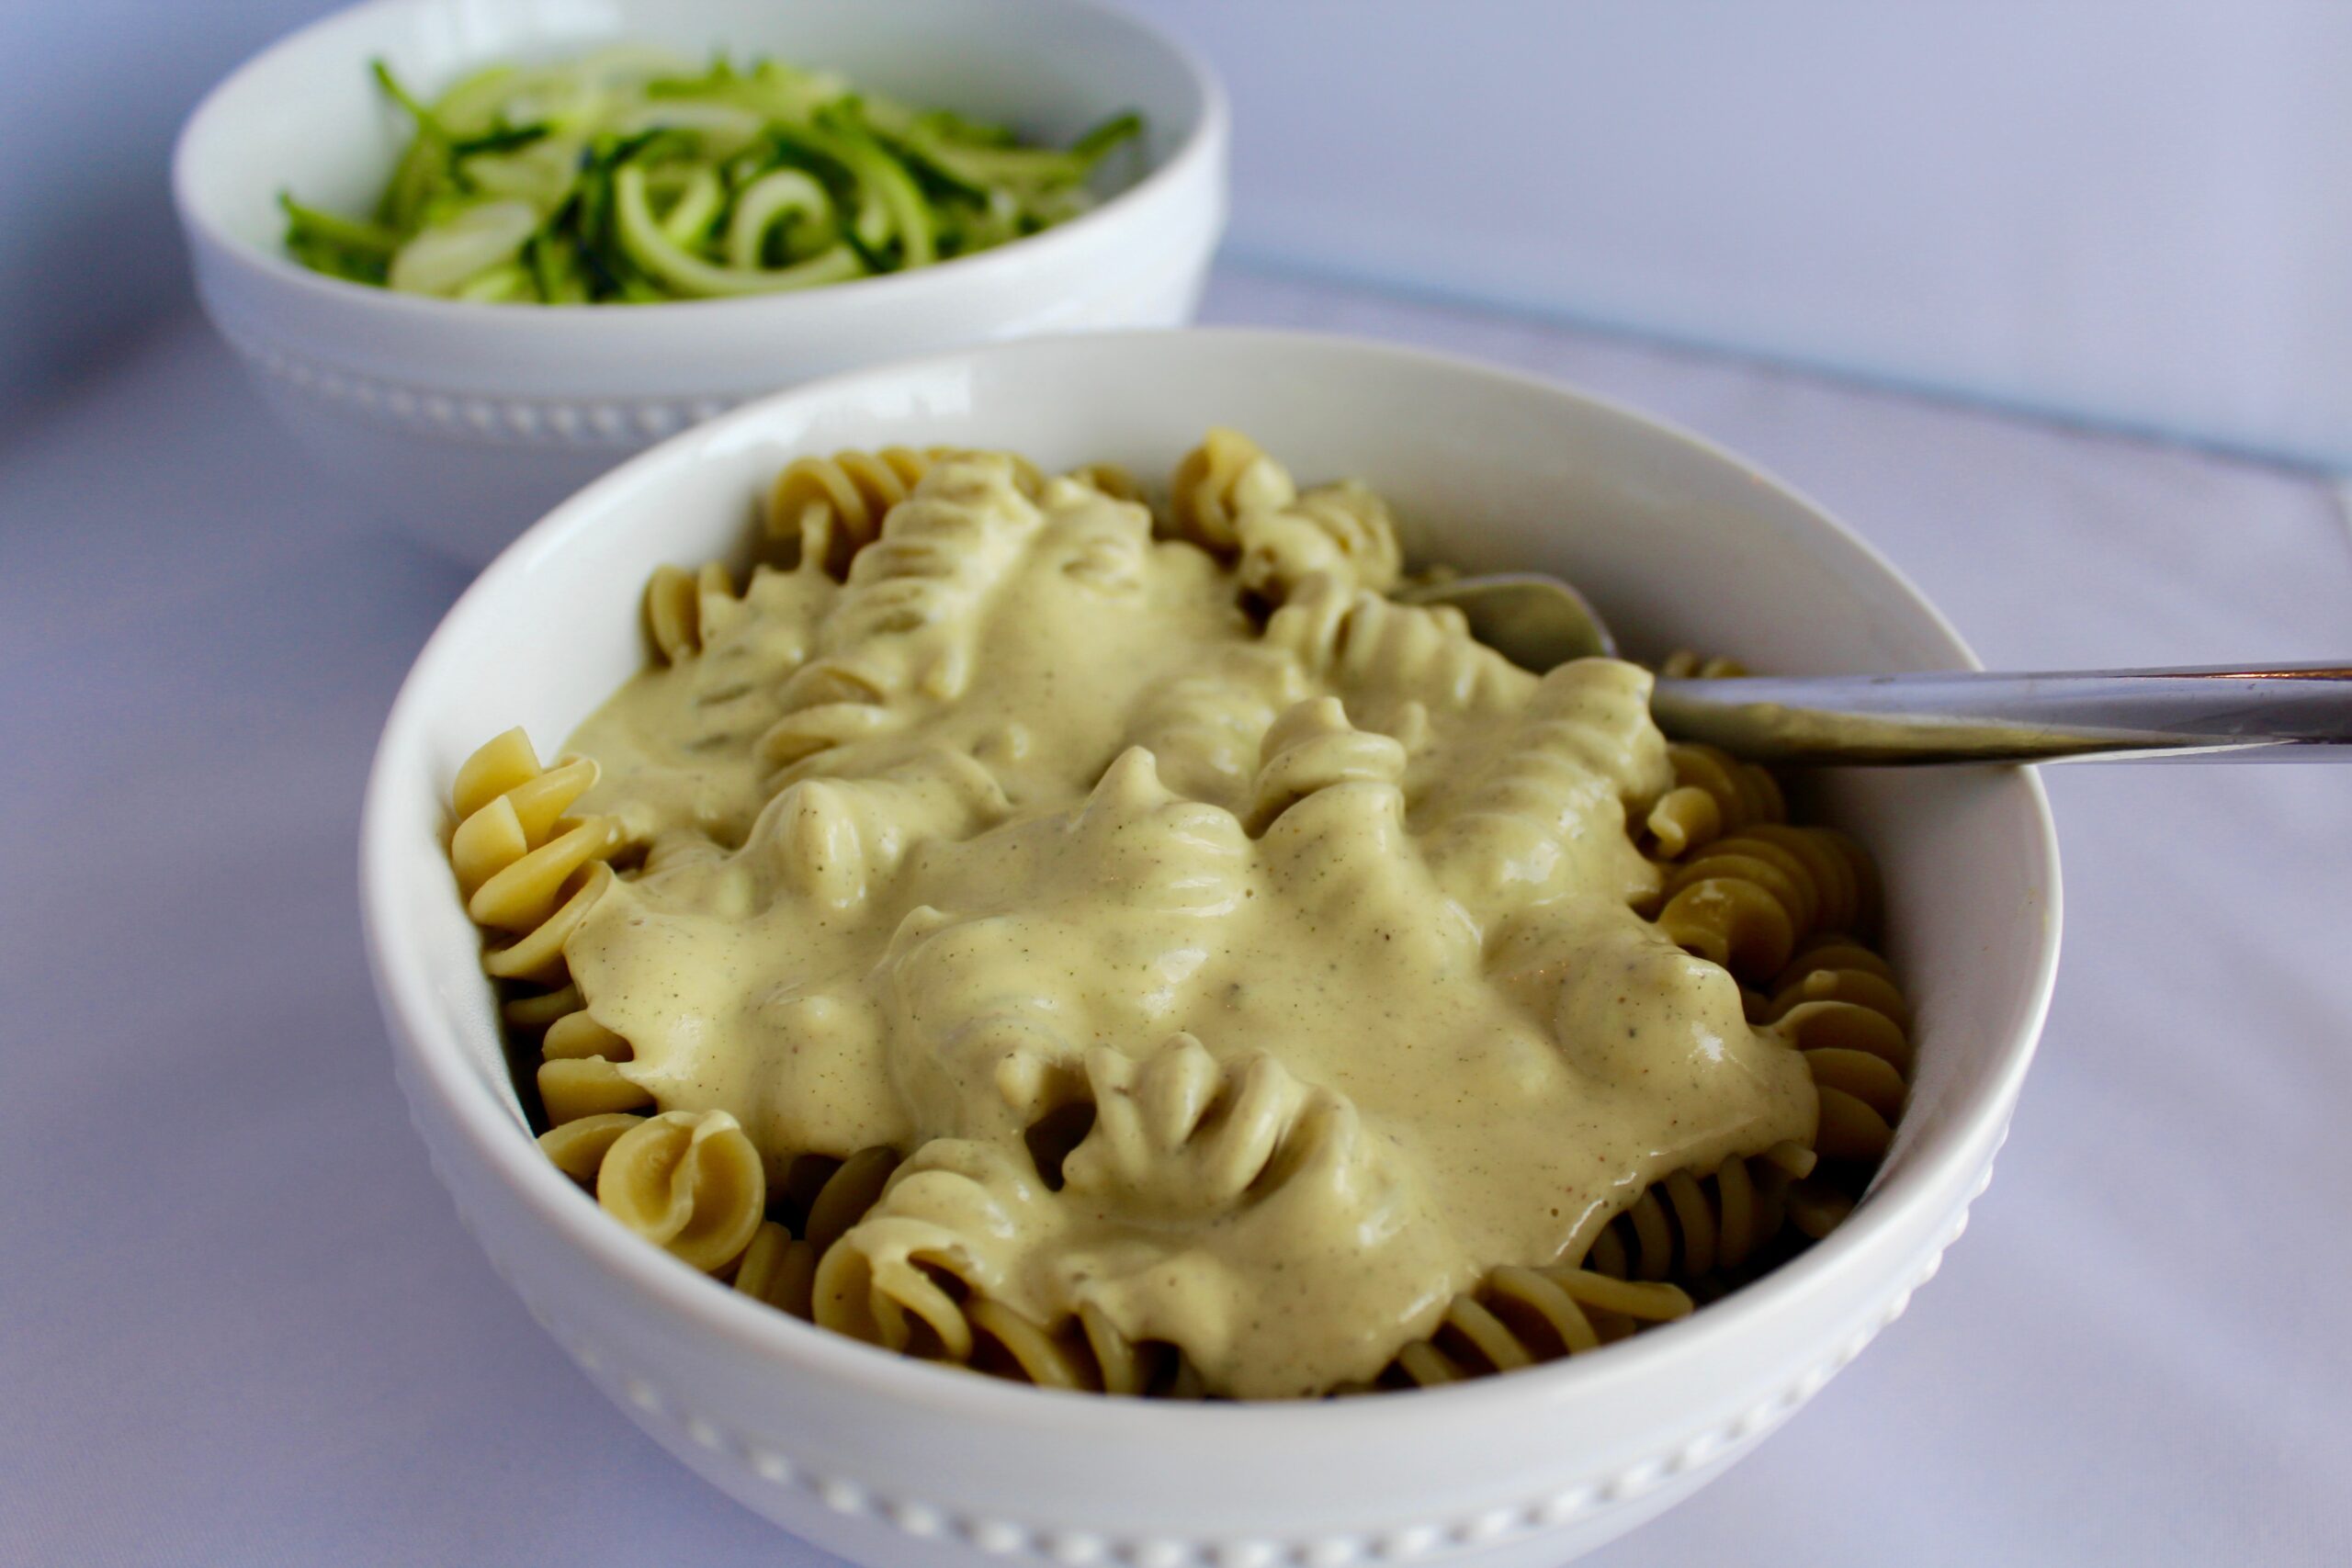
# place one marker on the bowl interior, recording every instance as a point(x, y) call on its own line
point(304, 117)
point(1678, 543)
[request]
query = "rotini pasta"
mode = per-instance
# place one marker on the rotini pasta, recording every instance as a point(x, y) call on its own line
point(891, 634)
point(1205, 727)
point(529, 870)
point(1713, 794)
point(1340, 527)
point(1109, 479)
point(1313, 746)
point(689, 1182)
point(1682, 664)
point(822, 1199)
point(684, 609)
point(1519, 1316)
point(1095, 1358)
point(579, 1072)
point(578, 1146)
point(834, 507)
point(1221, 480)
point(1367, 646)
point(1517, 821)
point(1131, 952)
point(1777, 905)
point(916, 1263)
point(1690, 1227)
point(780, 1269)
point(526, 869)
point(1180, 1131)
point(1747, 901)
point(1837, 1003)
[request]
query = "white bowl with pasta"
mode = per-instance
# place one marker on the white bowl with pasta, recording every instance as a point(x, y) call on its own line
point(889, 1462)
point(463, 422)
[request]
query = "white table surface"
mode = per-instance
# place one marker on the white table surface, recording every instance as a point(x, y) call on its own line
point(238, 1323)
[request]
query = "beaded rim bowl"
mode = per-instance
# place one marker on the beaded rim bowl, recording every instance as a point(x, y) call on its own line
point(889, 1462)
point(463, 422)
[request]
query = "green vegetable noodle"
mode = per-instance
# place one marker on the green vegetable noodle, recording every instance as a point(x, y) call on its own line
point(626, 177)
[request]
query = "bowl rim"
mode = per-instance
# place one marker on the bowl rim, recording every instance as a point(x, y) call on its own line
point(1204, 146)
point(403, 977)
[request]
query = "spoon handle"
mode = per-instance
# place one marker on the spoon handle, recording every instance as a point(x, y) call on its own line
point(2225, 713)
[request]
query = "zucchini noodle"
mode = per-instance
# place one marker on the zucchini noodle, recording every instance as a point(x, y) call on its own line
point(628, 177)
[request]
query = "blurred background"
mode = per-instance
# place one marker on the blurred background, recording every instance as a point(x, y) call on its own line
point(2128, 212)
point(2050, 299)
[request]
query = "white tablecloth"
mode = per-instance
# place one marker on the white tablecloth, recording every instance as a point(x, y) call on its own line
point(238, 1323)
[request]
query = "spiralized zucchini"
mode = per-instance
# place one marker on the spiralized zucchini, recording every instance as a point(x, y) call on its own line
point(626, 177)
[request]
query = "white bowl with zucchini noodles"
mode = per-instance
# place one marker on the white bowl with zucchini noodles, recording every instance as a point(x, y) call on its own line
point(461, 420)
point(890, 1461)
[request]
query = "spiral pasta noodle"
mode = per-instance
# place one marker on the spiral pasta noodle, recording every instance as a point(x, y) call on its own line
point(1364, 641)
point(945, 1320)
point(1340, 529)
point(890, 631)
point(1231, 498)
point(903, 1279)
point(825, 1200)
point(1108, 479)
point(1205, 727)
point(822, 1199)
point(1226, 475)
point(1090, 1353)
point(1713, 794)
point(1748, 901)
point(1585, 748)
point(1692, 1227)
point(937, 1313)
point(1519, 1316)
point(1313, 746)
point(834, 506)
point(579, 1070)
point(526, 869)
point(1178, 1133)
point(1784, 908)
point(688, 1181)
point(578, 1147)
point(1682, 664)
point(529, 870)
point(1837, 1002)
point(683, 610)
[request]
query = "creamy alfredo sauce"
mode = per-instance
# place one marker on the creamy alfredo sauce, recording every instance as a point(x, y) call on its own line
point(1332, 922)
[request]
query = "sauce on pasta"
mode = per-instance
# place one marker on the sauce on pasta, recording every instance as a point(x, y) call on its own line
point(1237, 958)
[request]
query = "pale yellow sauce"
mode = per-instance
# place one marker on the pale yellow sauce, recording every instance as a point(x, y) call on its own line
point(1029, 811)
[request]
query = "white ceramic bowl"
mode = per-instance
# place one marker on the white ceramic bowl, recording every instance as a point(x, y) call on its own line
point(888, 1462)
point(465, 422)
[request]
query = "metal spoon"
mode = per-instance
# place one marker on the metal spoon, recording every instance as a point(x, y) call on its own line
point(2296, 712)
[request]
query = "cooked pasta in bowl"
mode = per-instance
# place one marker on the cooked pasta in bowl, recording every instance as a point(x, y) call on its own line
point(955, 903)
